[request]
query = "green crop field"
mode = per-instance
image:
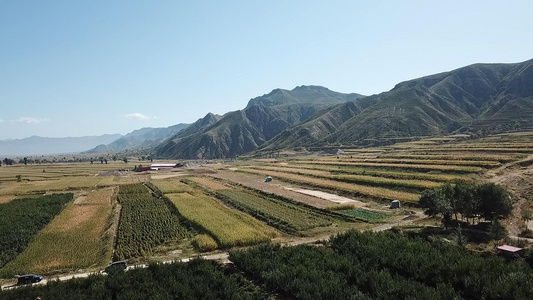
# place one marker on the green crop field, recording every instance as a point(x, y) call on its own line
point(281, 215)
point(75, 239)
point(229, 227)
point(364, 214)
point(145, 222)
point(21, 219)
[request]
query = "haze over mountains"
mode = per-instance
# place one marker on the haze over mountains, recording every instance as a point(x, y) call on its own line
point(37, 145)
point(479, 99)
point(141, 138)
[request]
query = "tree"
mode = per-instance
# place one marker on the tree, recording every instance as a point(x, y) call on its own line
point(91, 160)
point(25, 161)
point(125, 160)
point(495, 201)
point(467, 203)
point(488, 200)
point(435, 202)
point(105, 160)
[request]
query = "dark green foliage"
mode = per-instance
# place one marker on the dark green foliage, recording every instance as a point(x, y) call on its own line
point(472, 276)
point(384, 266)
point(364, 214)
point(495, 201)
point(488, 200)
point(21, 219)
point(305, 272)
point(145, 222)
point(198, 279)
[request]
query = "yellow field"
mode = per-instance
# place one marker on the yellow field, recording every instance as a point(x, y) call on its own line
point(452, 169)
point(210, 183)
point(74, 240)
point(360, 190)
point(229, 227)
point(55, 185)
point(172, 185)
point(362, 179)
point(333, 170)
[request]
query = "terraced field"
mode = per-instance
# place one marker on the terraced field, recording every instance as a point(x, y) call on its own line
point(400, 171)
point(342, 187)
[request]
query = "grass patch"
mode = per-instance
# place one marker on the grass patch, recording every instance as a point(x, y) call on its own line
point(364, 214)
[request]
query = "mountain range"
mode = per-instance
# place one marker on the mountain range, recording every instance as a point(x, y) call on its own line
point(242, 131)
point(476, 99)
point(37, 145)
point(146, 137)
point(480, 98)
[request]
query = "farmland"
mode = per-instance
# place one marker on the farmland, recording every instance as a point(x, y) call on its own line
point(221, 206)
point(73, 240)
point(22, 218)
point(145, 222)
point(228, 226)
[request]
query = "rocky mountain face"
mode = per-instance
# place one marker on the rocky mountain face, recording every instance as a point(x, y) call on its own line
point(245, 130)
point(481, 98)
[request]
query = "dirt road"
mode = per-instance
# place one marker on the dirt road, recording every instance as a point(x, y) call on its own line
point(517, 177)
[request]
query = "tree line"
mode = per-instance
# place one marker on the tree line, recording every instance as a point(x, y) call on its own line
point(467, 201)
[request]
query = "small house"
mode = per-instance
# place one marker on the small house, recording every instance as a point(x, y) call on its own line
point(509, 251)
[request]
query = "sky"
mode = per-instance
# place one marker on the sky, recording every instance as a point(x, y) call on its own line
point(79, 68)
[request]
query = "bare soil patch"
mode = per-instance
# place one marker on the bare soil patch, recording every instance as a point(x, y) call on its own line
point(517, 177)
point(329, 197)
point(6, 198)
point(80, 199)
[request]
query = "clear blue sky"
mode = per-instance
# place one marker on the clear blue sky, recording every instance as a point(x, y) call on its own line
point(75, 68)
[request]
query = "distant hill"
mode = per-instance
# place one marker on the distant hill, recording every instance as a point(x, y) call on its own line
point(37, 145)
point(479, 99)
point(141, 138)
point(245, 130)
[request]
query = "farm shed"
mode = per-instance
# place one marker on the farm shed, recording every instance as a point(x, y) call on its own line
point(162, 166)
point(394, 204)
point(507, 250)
